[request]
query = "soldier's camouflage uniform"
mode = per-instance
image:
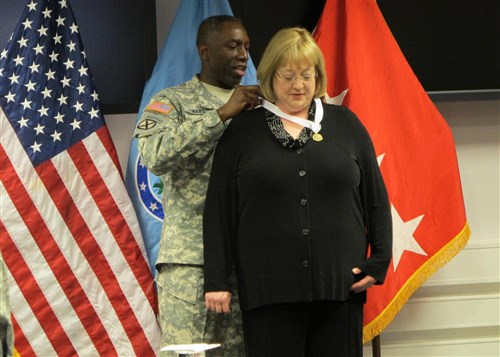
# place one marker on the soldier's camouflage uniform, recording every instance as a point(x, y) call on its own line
point(6, 332)
point(177, 134)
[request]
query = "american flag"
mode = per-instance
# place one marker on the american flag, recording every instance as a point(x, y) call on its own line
point(77, 269)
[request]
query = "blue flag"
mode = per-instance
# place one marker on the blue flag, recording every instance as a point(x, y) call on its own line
point(178, 62)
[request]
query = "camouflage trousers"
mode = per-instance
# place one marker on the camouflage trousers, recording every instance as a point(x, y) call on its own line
point(184, 318)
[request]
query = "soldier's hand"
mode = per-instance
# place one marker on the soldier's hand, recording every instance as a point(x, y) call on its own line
point(243, 98)
point(218, 301)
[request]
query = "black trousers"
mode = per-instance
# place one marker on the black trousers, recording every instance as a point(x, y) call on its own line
point(312, 329)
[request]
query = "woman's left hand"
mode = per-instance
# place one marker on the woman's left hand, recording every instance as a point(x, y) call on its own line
point(362, 285)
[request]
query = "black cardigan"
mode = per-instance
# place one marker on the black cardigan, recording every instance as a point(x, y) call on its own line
point(295, 222)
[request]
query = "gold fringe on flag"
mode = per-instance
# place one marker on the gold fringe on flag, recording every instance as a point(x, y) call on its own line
point(437, 261)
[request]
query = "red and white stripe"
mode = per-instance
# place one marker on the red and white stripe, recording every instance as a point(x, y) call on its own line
point(79, 279)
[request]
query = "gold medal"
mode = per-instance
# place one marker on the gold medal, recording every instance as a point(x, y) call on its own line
point(317, 137)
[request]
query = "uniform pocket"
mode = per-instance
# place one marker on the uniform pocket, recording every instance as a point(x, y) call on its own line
point(180, 281)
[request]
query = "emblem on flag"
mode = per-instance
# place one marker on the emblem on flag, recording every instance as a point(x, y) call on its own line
point(149, 189)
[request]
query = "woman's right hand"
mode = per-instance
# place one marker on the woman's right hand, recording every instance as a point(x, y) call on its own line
point(218, 301)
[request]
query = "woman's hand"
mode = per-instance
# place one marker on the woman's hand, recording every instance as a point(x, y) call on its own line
point(362, 285)
point(218, 301)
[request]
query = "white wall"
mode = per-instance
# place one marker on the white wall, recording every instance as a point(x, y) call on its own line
point(456, 312)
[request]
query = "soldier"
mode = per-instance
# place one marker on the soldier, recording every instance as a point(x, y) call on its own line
point(177, 134)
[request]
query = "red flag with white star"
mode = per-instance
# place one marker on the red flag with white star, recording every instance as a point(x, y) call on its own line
point(414, 144)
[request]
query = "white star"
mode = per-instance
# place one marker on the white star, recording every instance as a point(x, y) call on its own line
point(63, 4)
point(50, 74)
point(60, 20)
point(39, 129)
point(75, 124)
point(380, 158)
point(46, 92)
point(62, 99)
point(53, 56)
point(38, 49)
point(56, 136)
point(23, 42)
point(153, 206)
point(94, 113)
point(10, 97)
point(403, 236)
point(4, 53)
point(27, 24)
point(42, 31)
point(19, 60)
point(74, 28)
point(83, 71)
point(26, 104)
point(337, 100)
point(143, 186)
point(65, 82)
point(36, 147)
point(71, 45)
point(34, 67)
point(84, 54)
point(14, 79)
point(32, 6)
point(57, 39)
point(46, 13)
point(23, 122)
point(94, 95)
point(59, 118)
point(43, 111)
point(69, 64)
point(30, 85)
point(81, 88)
point(78, 106)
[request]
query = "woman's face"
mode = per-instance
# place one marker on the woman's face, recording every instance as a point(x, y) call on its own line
point(294, 86)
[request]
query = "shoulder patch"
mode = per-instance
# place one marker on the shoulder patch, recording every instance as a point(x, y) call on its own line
point(146, 124)
point(159, 107)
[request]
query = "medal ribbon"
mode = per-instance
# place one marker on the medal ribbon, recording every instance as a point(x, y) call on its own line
point(315, 125)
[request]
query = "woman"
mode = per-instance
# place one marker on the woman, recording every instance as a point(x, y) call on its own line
point(295, 202)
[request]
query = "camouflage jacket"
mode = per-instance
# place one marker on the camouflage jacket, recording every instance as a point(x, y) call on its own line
point(6, 332)
point(177, 134)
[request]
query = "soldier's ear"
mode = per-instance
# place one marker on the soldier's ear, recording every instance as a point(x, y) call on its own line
point(203, 52)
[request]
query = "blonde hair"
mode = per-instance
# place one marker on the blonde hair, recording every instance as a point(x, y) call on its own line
point(290, 45)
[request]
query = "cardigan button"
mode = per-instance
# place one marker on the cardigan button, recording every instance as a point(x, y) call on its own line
point(305, 231)
point(305, 263)
point(303, 201)
point(302, 173)
point(299, 151)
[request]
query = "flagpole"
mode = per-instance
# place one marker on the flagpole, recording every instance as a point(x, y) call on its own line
point(376, 346)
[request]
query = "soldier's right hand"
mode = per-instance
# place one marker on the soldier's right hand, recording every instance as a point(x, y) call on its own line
point(243, 98)
point(218, 301)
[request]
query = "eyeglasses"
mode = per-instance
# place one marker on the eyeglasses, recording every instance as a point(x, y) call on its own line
point(291, 78)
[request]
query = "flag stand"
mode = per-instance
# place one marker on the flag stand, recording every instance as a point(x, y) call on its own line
point(376, 346)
